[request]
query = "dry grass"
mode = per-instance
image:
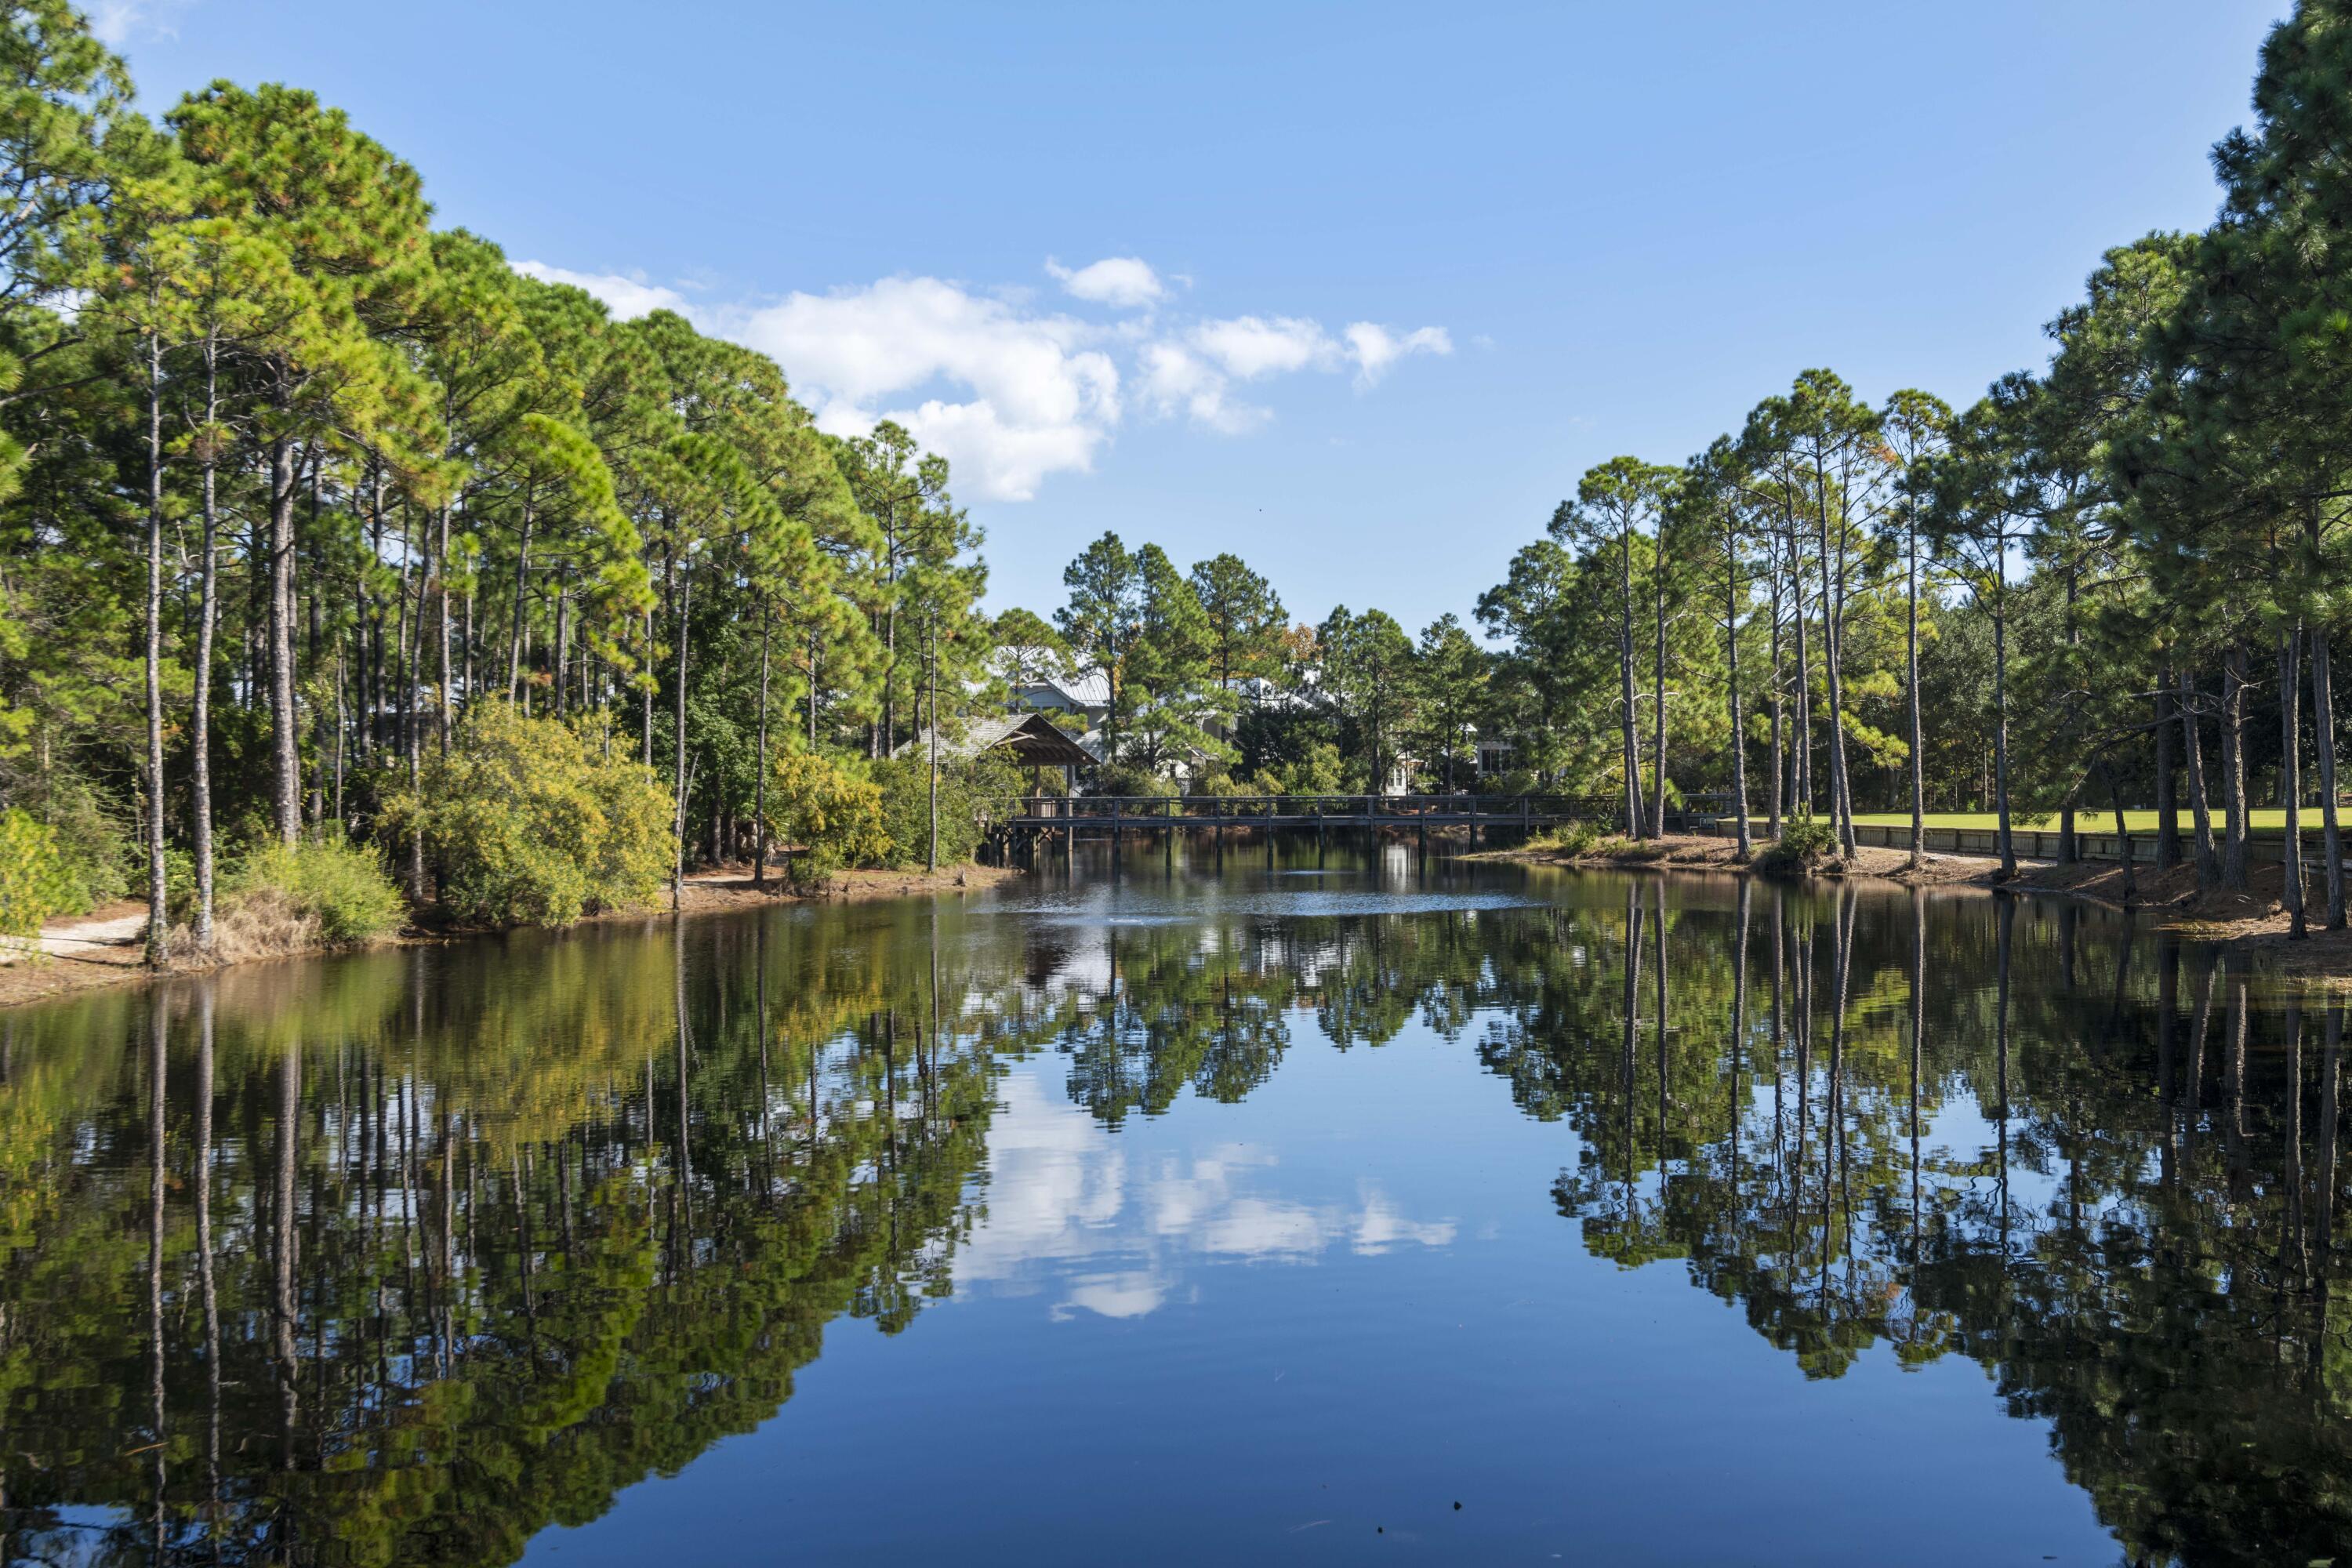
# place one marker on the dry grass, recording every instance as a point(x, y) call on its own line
point(264, 923)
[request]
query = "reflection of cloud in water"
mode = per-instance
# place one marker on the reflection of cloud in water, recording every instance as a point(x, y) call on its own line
point(1070, 1215)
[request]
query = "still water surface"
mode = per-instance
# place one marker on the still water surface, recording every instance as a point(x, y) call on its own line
point(1314, 1210)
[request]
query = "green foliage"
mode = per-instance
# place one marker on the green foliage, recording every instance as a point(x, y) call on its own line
point(339, 889)
point(1129, 780)
point(526, 823)
point(36, 884)
point(1575, 838)
point(1805, 841)
point(94, 841)
point(975, 794)
point(1318, 771)
point(828, 813)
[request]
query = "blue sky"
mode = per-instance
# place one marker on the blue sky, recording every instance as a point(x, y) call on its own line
point(1385, 281)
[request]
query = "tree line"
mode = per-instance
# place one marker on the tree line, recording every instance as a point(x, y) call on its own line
point(292, 483)
point(2136, 552)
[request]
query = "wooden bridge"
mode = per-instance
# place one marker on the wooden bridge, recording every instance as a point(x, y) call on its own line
point(1066, 817)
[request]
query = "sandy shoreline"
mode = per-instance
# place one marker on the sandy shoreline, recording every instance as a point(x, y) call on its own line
point(107, 947)
point(2252, 922)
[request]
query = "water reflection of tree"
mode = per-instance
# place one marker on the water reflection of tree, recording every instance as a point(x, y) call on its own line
point(431, 1261)
point(442, 1249)
point(2139, 1248)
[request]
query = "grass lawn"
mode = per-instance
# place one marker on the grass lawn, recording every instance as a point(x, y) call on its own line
point(2271, 820)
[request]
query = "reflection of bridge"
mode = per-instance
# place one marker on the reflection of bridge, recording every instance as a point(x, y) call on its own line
point(1113, 816)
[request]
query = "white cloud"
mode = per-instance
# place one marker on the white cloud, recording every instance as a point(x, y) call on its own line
point(1175, 378)
point(1127, 282)
point(1010, 393)
point(1044, 399)
point(1250, 346)
point(1374, 347)
point(1070, 1217)
point(112, 22)
point(628, 298)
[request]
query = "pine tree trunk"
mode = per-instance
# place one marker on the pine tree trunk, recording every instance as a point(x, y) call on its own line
point(2069, 851)
point(2235, 870)
point(314, 645)
point(1739, 736)
point(1800, 748)
point(1658, 670)
point(561, 654)
point(411, 722)
point(285, 737)
point(1779, 758)
point(1911, 685)
point(521, 582)
point(1629, 725)
point(760, 782)
point(158, 917)
point(2000, 719)
point(2167, 830)
point(440, 578)
point(2323, 727)
point(2291, 777)
point(1840, 785)
point(2123, 829)
point(931, 638)
point(677, 864)
point(207, 619)
point(2201, 810)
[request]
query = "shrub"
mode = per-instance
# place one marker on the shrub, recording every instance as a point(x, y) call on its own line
point(92, 844)
point(829, 812)
point(1317, 771)
point(975, 794)
point(1804, 842)
point(337, 892)
point(526, 823)
point(36, 881)
point(1126, 779)
point(1576, 838)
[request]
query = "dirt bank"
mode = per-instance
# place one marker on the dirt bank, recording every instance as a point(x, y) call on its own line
point(2253, 921)
point(108, 946)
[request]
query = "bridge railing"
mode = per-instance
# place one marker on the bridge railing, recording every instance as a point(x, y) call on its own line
point(1244, 809)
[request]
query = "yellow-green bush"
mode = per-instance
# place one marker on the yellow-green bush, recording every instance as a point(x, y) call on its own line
point(338, 889)
point(526, 823)
point(36, 883)
point(829, 814)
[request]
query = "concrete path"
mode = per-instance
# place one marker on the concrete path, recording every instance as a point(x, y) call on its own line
point(105, 937)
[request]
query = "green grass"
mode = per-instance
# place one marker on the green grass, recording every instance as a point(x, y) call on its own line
point(2271, 819)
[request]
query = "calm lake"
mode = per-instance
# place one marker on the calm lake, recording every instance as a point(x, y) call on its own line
point(1318, 1209)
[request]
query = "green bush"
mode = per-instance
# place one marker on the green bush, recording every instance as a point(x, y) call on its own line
point(1576, 838)
point(975, 794)
point(526, 823)
point(1129, 780)
point(95, 846)
point(36, 884)
point(1317, 772)
point(1804, 842)
point(340, 888)
point(827, 813)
